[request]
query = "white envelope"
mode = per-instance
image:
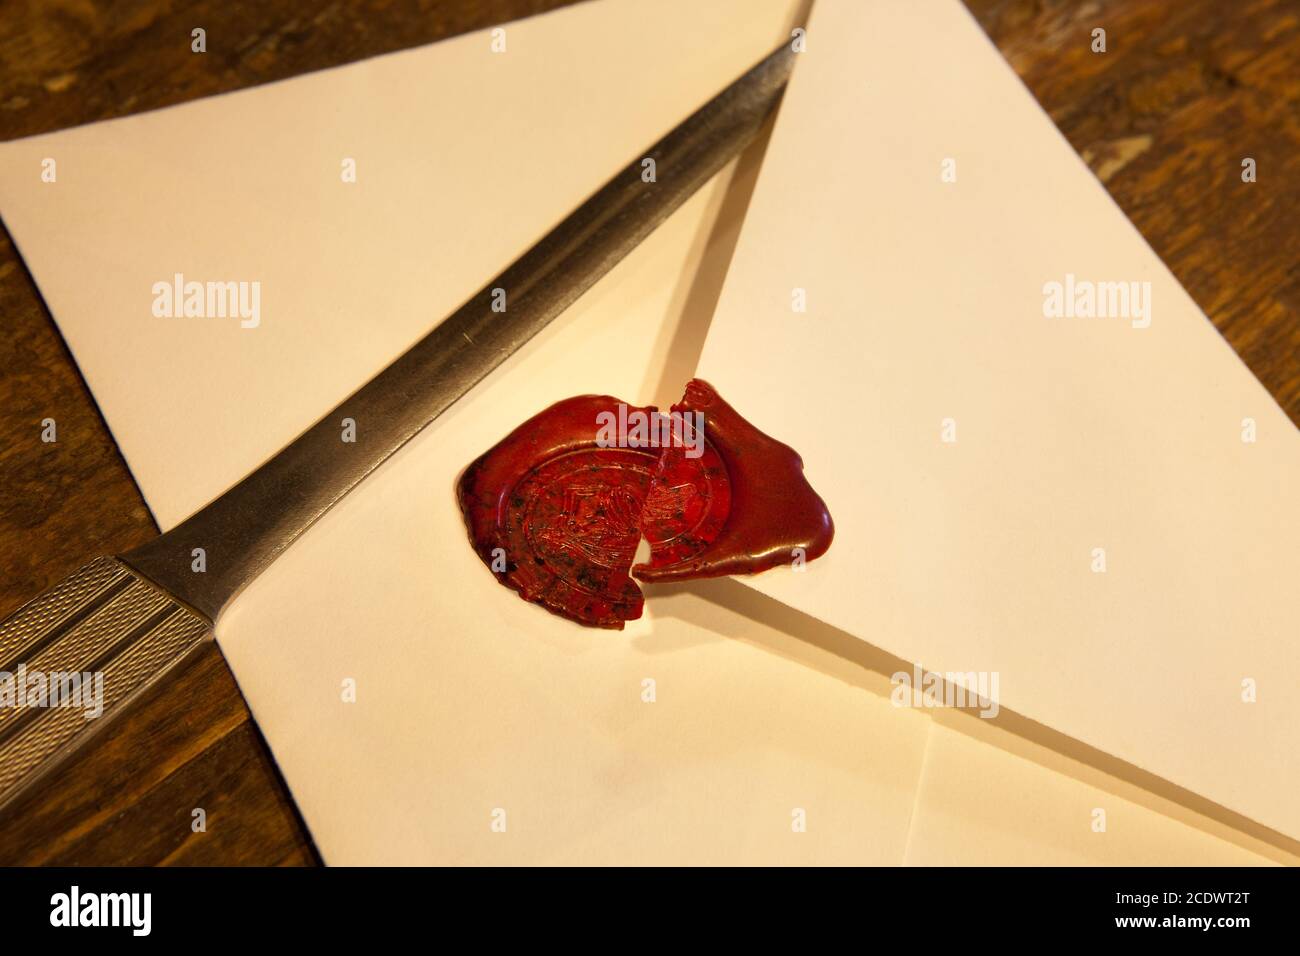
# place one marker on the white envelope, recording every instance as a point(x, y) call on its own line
point(724, 727)
point(1103, 513)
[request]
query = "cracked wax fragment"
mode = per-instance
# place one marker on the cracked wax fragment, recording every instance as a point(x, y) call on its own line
point(557, 518)
point(742, 507)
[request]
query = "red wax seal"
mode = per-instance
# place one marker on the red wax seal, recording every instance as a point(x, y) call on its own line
point(556, 516)
point(742, 507)
point(558, 507)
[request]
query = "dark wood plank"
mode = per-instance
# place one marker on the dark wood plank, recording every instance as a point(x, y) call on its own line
point(1185, 91)
point(130, 799)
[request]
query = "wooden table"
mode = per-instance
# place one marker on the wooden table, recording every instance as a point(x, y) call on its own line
point(1186, 90)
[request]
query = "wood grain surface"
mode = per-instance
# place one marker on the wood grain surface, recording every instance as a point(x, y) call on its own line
point(1185, 91)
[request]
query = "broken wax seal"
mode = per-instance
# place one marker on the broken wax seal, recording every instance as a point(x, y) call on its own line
point(556, 509)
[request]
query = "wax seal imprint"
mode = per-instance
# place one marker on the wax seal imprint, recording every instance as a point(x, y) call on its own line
point(759, 512)
point(556, 516)
point(558, 507)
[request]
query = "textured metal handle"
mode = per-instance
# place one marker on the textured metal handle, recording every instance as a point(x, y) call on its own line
point(72, 656)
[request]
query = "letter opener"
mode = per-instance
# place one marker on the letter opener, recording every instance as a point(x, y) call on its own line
point(136, 616)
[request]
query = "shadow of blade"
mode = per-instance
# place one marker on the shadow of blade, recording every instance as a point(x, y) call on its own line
point(681, 343)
